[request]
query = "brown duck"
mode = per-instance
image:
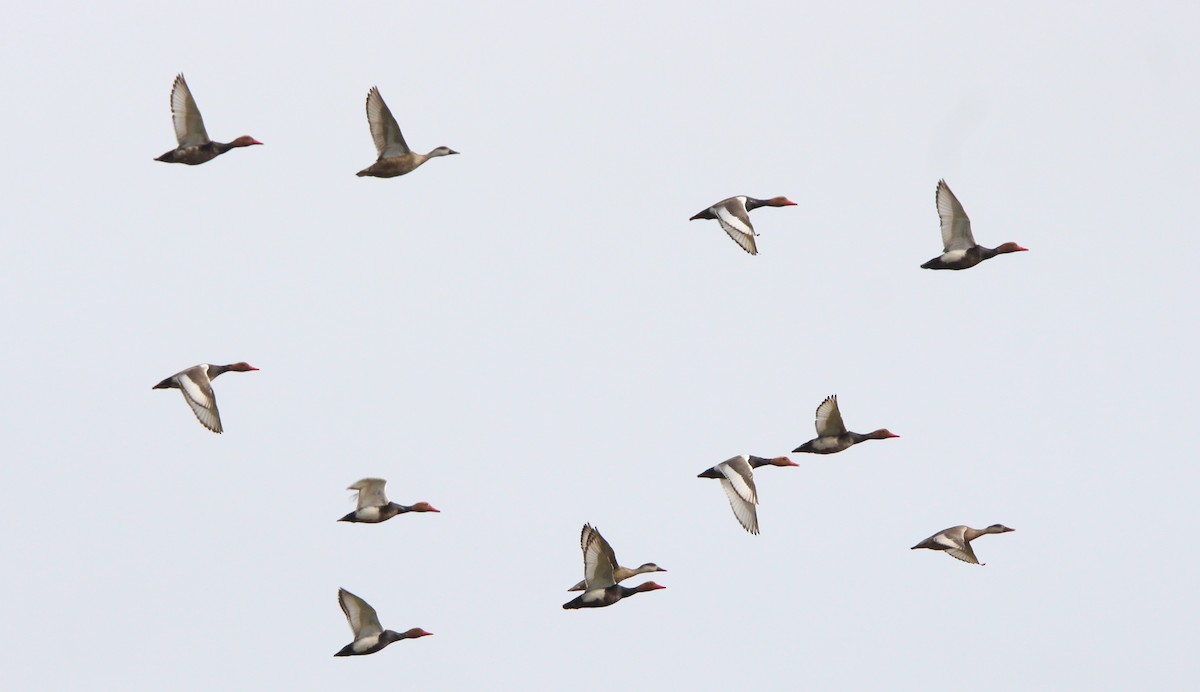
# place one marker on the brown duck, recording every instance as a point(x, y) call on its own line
point(395, 158)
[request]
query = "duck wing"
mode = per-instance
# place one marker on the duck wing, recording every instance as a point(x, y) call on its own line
point(370, 492)
point(735, 220)
point(361, 616)
point(956, 227)
point(384, 128)
point(189, 126)
point(198, 393)
point(829, 418)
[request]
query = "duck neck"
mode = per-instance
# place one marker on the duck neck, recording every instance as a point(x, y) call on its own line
point(971, 534)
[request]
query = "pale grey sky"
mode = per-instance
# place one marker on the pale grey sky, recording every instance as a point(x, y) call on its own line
point(532, 336)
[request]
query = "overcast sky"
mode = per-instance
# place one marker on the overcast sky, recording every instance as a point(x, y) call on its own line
point(532, 335)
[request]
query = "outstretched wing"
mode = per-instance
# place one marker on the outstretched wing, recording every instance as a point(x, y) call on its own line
point(361, 616)
point(829, 418)
point(965, 553)
point(189, 126)
point(733, 217)
point(370, 492)
point(597, 561)
point(384, 129)
point(956, 227)
point(745, 512)
point(739, 486)
point(198, 393)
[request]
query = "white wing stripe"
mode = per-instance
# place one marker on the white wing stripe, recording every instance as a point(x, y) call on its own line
point(738, 484)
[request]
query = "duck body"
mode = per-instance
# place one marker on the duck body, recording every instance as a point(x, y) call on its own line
point(839, 443)
point(371, 644)
point(200, 153)
point(734, 216)
point(399, 165)
point(956, 541)
point(369, 635)
point(832, 436)
point(959, 249)
point(395, 156)
point(373, 506)
point(196, 385)
point(375, 515)
point(602, 598)
point(195, 147)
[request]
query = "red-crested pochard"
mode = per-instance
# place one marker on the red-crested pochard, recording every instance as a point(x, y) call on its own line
point(733, 215)
point(737, 478)
point(194, 145)
point(832, 435)
point(369, 635)
point(196, 385)
point(959, 249)
point(374, 506)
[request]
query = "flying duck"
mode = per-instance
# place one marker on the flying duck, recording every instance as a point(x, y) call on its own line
point(369, 635)
point(737, 478)
point(832, 435)
point(373, 505)
point(194, 145)
point(196, 385)
point(959, 249)
point(733, 215)
point(956, 541)
point(395, 158)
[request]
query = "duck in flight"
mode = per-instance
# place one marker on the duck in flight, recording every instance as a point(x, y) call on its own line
point(395, 158)
point(196, 385)
point(737, 478)
point(734, 217)
point(959, 249)
point(194, 147)
point(369, 635)
point(373, 505)
point(832, 435)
